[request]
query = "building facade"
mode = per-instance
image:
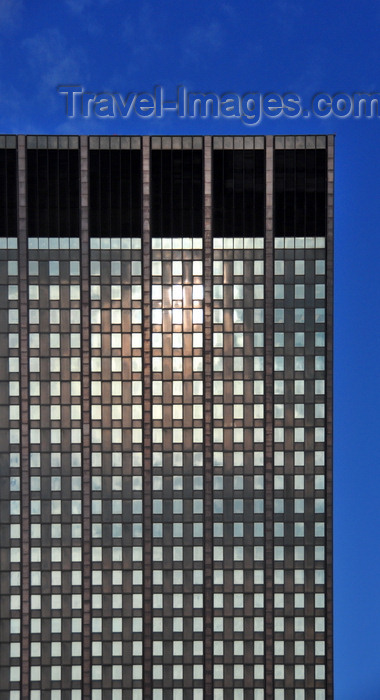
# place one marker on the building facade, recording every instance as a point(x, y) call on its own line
point(166, 417)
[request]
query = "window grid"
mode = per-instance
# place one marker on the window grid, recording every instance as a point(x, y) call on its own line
point(299, 466)
point(238, 468)
point(55, 467)
point(116, 468)
point(10, 503)
point(177, 473)
point(302, 439)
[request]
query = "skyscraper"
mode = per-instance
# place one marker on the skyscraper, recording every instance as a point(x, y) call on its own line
point(166, 417)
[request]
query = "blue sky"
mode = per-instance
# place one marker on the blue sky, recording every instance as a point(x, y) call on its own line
point(223, 46)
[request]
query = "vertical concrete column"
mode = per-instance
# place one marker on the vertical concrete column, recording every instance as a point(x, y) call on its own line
point(268, 447)
point(24, 410)
point(86, 433)
point(208, 477)
point(329, 415)
point(147, 421)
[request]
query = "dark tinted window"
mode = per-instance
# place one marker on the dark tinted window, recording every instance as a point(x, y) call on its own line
point(115, 193)
point(53, 192)
point(8, 192)
point(177, 180)
point(300, 192)
point(238, 193)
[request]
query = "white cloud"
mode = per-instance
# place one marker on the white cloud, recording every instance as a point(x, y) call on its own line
point(12, 114)
point(201, 37)
point(10, 11)
point(288, 14)
point(53, 59)
point(79, 6)
point(141, 31)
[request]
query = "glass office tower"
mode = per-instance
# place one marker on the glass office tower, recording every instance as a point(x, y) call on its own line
point(166, 417)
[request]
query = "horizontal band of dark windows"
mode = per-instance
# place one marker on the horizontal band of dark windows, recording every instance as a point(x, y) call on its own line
point(115, 193)
point(177, 193)
point(300, 192)
point(238, 193)
point(8, 192)
point(53, 193)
